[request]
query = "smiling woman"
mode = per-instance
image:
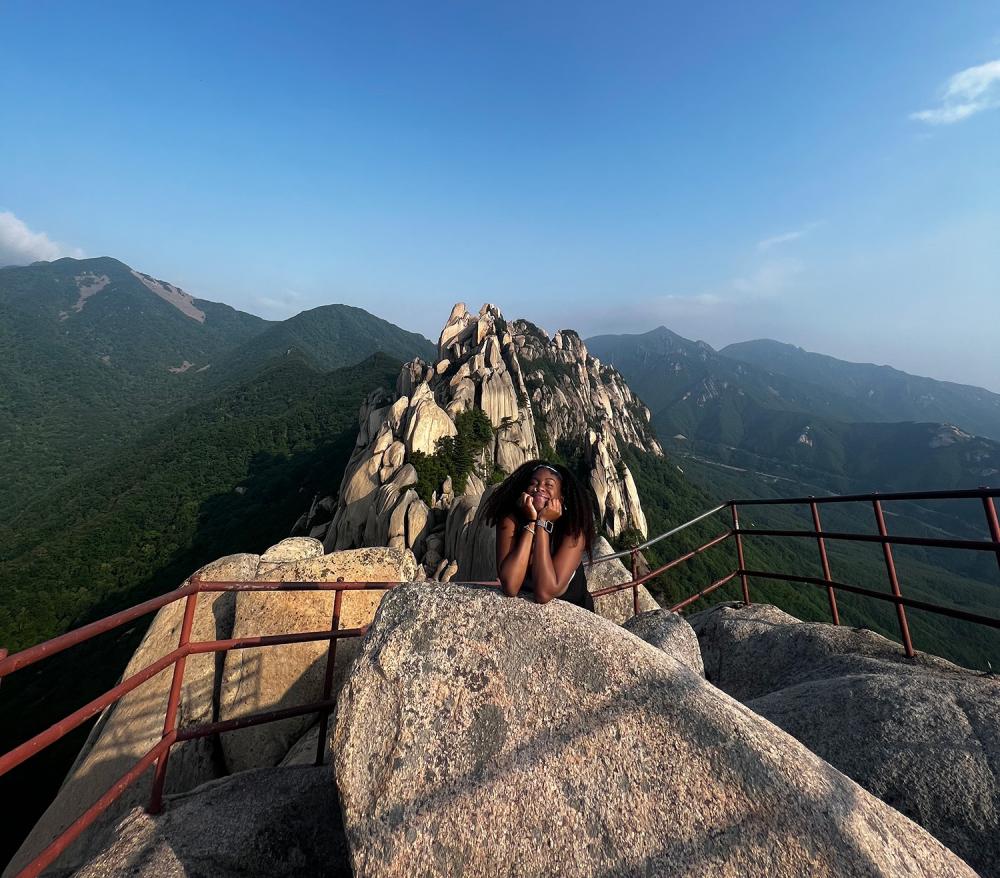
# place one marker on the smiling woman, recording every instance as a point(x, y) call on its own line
point(545, 521)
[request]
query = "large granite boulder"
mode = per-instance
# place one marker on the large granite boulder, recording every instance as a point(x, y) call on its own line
point(274, 677)
point(922, 734)
point(619, 605)
point(126, 731)
point(671, 633)
point(479, 736)
point(275, 822)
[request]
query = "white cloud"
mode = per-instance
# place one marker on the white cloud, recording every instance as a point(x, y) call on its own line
point(787, 237)
point(19, 245)
point(968, 92)
point(771, 279)
point(284, 303)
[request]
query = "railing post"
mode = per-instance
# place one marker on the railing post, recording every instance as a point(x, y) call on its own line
point(739, 555)
point(890, 568)
point(331, 660)
point(635, 587)
point(173, 700)
point(991, 521)
point(825, 561)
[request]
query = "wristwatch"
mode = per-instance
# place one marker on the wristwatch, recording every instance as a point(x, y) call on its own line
point(544, 525)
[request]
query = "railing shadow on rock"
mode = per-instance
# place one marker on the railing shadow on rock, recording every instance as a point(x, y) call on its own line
point(157, 757)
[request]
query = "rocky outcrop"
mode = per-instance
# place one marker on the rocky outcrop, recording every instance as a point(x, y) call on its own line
point(574, 750)
point(537, 394)
point(276, 822)
point(242, 682)
point(671, 633)
point(921, 734)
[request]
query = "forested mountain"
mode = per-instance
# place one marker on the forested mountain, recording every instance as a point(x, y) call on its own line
point(892, 395)
point(226, 475)
point(825, 434)
point(326, 338)
point(93, 352)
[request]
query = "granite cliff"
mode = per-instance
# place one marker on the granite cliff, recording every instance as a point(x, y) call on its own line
point(541, 397)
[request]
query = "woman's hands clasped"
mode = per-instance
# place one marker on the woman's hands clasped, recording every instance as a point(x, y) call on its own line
point(552, 510)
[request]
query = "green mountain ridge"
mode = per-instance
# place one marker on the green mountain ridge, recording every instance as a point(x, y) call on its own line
point(327, 337)
point(896, 395)
point(93, 352)
point(739, 412)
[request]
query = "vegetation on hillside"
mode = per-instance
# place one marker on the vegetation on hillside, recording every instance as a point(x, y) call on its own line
point(455, 456)
point(227, 475)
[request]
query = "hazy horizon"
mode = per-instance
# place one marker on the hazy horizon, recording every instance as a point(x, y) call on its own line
point(825, 177)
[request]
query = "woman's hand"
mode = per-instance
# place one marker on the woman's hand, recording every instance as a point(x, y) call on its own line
point(552, 510)
point(528, 506)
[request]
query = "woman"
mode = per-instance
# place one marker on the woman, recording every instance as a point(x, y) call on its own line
point(544, 521)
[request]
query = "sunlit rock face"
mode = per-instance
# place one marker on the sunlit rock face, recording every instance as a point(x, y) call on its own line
point(540, 395)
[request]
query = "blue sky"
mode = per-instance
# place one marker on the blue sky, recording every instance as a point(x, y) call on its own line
point(824, 174)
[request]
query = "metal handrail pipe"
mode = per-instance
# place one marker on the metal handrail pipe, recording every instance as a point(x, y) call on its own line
point(925, 542)
point(662, 536)
point(254, 719)
point(203, 646)
point(270, 585)
point(72, 638)
point(73, 831)
point(29, 748)
point(957, 494)
point(640, 580)
point(898, 600)
point(676, 608)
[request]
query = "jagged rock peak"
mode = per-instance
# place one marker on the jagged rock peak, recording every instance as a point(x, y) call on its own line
point(498, 395)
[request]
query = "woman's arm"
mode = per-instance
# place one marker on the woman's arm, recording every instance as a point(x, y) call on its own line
point(514, 543)
point(551, 575)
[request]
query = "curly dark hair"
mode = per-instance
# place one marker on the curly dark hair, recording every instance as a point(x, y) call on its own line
point(578, 509)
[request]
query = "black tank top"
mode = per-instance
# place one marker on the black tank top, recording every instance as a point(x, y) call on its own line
point(576, 592)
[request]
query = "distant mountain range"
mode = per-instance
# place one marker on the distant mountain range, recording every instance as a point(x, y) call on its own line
point(842, 426)
point(93, 352)
point(881, 392)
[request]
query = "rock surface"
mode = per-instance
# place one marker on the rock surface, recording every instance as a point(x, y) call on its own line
point(922, 734)
point(534, 390)
point(671, 633)
point(270, 678)
point(619, 606)
point(545, 730)
point(275, 822)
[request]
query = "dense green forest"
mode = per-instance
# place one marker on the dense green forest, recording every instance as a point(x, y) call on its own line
point(90, 357)
point(223, 476)
point(228, 475)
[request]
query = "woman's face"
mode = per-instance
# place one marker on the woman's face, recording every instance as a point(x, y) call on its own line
point(544, 485)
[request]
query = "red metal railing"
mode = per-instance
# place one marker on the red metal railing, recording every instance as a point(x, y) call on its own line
point(158, 756)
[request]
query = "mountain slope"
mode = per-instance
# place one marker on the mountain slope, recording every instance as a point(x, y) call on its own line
point(227, 475)
point(896, 395)
point(90, 352)
point(694, 391)
point(327, 337)
point(221, 477)
point(743, 414)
